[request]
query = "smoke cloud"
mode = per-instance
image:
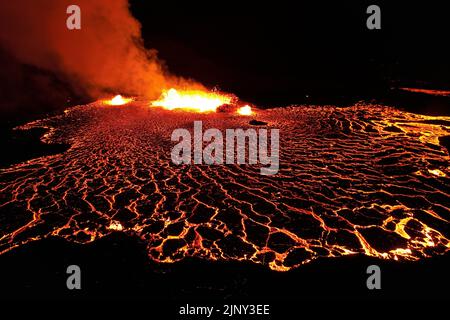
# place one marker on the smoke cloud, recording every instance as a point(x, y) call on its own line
point(106, 56)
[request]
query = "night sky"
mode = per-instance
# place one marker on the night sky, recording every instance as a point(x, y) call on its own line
point(277, 55)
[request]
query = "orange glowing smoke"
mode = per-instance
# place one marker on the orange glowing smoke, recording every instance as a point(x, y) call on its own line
point(192, 100)
point(118, 101)
point(245, 110)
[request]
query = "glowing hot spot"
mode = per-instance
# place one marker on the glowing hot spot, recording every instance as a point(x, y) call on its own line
point(437, 172)
point(118, 101)
point(115, 225)
point(192, 100)
point(245, 110)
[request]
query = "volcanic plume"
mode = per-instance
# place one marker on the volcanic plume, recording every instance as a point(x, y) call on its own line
point(106, 56)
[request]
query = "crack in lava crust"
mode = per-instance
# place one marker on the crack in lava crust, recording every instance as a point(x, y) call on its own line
point(367, 179)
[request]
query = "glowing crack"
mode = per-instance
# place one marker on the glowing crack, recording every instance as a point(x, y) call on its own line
point(363, 180)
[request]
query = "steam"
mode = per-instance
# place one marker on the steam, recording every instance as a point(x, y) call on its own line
point(106, 56)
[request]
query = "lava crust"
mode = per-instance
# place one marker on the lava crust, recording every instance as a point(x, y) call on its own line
point(361, 180)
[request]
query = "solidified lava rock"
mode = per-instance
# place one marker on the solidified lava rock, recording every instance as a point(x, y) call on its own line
point(228, 108)
point(254, 122)
point(366, 180)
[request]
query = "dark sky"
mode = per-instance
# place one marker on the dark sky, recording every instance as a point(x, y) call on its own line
point(278, 53)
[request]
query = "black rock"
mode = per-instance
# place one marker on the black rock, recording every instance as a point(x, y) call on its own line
point(257, 123)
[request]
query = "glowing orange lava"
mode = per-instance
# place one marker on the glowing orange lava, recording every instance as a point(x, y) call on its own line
point(192, 100)
point(115, 225)
point(367, 179)
point(443, 93)
point(437, 172)
point(245, 111)
point(118, 101)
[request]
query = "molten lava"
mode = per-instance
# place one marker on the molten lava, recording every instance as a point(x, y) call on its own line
point(367, 179)
point(245, 111)
point(192, 100)
point(442, 93)
point(118, 101)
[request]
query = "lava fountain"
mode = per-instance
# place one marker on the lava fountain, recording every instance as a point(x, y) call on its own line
point(245, 110)
point(192, 100)
point(117, 101)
